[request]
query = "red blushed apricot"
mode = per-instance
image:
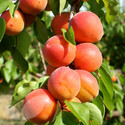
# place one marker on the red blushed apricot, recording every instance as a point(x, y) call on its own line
point(29, 19)
point(89, 87)
point(64, 83)
point(13, 25)
point(32, 7)
point(50, 69)
point(39, 106)
point(88, 57)
point(60, 21)
point(87, 27)
point(58, 52)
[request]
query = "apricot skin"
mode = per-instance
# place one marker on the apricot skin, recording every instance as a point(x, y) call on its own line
point(64, 83)
point(13, 25)
point(89, 86)
point(88, 57)
point(39, 106)
point(57, 52)
point(114, 78)
point(60, 21)
point(32, 7)
point(50, 69)
point(87, 27)
point(29, 19)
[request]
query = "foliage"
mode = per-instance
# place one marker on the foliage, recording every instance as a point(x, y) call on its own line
point(22, 51)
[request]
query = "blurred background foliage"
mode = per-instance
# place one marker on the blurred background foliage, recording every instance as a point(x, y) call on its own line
point(112, 47)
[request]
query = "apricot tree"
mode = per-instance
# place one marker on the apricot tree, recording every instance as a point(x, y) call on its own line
point(76, 86)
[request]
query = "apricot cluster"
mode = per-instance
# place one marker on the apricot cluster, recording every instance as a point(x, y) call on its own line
point(69, 67)
point(24, 16)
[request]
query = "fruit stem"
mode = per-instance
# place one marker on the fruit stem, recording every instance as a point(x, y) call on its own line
point(41, 54)
point(75, 4)
point(97, 74)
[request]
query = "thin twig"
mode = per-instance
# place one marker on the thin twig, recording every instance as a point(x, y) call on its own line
point(41, 55)
point(74, 3)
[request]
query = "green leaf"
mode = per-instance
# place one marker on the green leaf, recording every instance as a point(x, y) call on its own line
point(93, 122)
point(95, 113)
point(111, 10)
point(99, 103)
point(1, 61)
point(54, 5)
point(42, 30)
point(123, 68)
point(23, 42)
point(2, 28)
point(13, 7)
point(69, 35)
point(21, 90)
point(28, 123)
point(66, 118)
point(62, 4)
point(107, 100)
point(106, 80)
point(7, 43)
point(41, 82)
point(19, 60)
point(96, 7)
point(80, 111)
point(4, 5)
point(106, 67)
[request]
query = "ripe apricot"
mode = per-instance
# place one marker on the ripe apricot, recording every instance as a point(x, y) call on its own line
point(87, 27)
point(32, 7)
point(29, 19)
point(13, 25)
point(89, 87)
point(39, 106)
point(88, 57)
point(50, 69)
point(64, 83)
point(58, 52)
point(114, 78)
point(60, 21)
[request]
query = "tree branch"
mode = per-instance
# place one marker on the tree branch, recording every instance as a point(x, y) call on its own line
point(41, 55)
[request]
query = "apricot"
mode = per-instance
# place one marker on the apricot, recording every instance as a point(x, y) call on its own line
point(29, 19)
point(65, 107)
point(89, 87)
point(39, 106)
point(58, 52)
point(87, 27)
point(13, 25)
point(60, 21)
point(64, 83)
point(50, 69)
point(114, 78)
point(32, 7)
point(88, 57)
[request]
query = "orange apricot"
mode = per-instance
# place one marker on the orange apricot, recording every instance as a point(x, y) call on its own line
point(13, 25)
point(60, 21)
point(32, 7)
point(88, 57)
point(64, 83)
point(89, 87)
point(58, 52)
point(87, 27)
point(39, 106)
point(114, 78)
point(29, 19)
point(50, 69)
